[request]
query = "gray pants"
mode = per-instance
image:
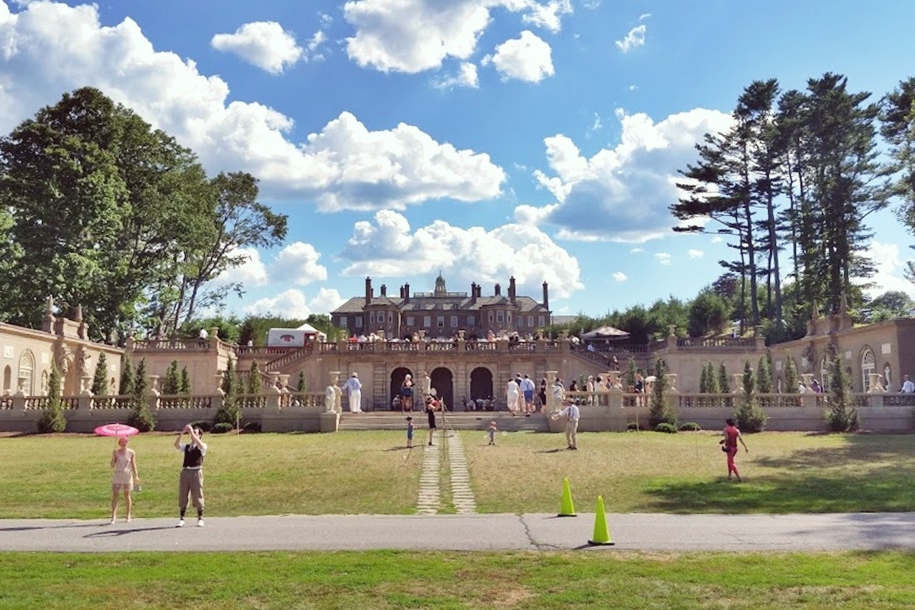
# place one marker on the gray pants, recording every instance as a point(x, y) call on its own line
point(191, 484)
point(572, 432)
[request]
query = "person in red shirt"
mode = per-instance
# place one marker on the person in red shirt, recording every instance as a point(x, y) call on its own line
point(729, 442)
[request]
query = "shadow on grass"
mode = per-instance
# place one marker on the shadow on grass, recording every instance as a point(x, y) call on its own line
point(558, 450)
point(29, 528)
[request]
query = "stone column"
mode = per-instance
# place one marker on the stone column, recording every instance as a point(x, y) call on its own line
point(672, 381)
point(219, 379)
point(85, 384)
point(550, 400)
point(737, 383)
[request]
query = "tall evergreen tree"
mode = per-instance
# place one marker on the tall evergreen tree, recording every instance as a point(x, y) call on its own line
point(100, 378)
point(660, 410)
point(749, 416)
point(792, 381)
point(724, 385)
point(302, 384)
point(172, 383)
point(764, 374)
point(127, 377)
point(52, 417)
point(140, 416)
point(229, 413)
point(185, 386)
point(841, 416)
point(255, 383)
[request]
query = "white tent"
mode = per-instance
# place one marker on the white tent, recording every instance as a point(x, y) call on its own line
point(309, 329)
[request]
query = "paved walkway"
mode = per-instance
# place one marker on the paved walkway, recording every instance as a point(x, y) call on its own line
point(530, 532)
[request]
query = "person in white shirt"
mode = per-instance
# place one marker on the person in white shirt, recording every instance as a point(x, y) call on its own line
point(513, 396)
point(907, 386)
point(572, 414)
point(353, 389)
point(527, 389)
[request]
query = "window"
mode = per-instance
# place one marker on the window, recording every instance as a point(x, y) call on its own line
point(409, 320)
point(500, 316)
point(490, 316)
point(541, 321)
point(440, 321)
point(371, 317)
point(454, 321)
point(342, 323)
point(427, 321)
point(358, 322)
point(530, 321)
point(471, 321)
point(390, 317)
point(868, 368)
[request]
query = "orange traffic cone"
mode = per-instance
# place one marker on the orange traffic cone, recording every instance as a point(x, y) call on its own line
point(568, 509)
point(601, 532)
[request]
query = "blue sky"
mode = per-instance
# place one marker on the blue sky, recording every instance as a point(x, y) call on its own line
point(482, 138)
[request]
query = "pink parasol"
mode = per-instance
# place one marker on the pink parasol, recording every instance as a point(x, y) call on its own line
point(116, 430)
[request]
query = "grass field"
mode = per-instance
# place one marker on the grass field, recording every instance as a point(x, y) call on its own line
point(68, 476)
point(470, 581)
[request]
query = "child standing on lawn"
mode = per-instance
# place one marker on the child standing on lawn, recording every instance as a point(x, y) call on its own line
point(410, 428)
point(492, 433)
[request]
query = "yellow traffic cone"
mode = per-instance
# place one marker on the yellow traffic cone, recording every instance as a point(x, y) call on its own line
point(601, 532)
point(568, 509)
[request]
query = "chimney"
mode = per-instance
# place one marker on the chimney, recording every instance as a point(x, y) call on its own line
point(546, 296)
point(511, 288)
point(401, 292)
point(473, 292)
point(479, 291)
point(498, 289)
point(406, 293)
point(368, 291)
point(384, 290)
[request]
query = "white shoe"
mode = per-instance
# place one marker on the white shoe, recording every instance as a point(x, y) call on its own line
point(199, 522)
point(180, 523)
point(113, 521)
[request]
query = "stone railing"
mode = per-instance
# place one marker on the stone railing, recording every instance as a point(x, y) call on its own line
point(717, 343)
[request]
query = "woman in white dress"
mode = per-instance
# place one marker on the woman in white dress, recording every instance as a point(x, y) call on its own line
point(513, 396)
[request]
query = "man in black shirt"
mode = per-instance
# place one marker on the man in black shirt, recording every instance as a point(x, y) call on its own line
point(191, 480)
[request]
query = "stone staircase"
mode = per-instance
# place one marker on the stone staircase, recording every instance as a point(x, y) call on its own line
point(454, 420)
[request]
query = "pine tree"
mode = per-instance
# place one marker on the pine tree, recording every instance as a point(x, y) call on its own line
point(631, 372)
point(52, 419)
point(724, 386)
point(255, 383)
point(750, 417)
point(302, 384)
point(100, 379)
point(713, 386)
point(660, 411)
point(229, 412)
point(703, 380)
point(764, 375)
point(127, 376)
point(140, 416)
point(791, 378)
point(841, 416)
point(172, 384)
point(185, 387)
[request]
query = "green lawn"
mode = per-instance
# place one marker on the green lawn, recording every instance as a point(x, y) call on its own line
point(67, 476)
point(389, 580)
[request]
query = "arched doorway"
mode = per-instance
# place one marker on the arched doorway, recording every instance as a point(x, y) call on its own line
point(868, 367)
point(397, 377)
point(8, 380)
point(481, 383)
point(443, 382)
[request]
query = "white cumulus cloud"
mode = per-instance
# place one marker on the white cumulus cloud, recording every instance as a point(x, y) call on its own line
point(49, 48)
point(635, 38)
point(889, 270)
point(264, 44)
point(466, 76)
point(619, 276)
point(298, 263)
point(388, 246)
point(416, 35)
point(293, 303)
point(696, 253)
point(623, 193)
point(252, 272)
point(527, 58)
point(663, 257)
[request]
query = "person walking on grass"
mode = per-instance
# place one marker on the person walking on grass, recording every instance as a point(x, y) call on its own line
point(431, 407)
point(191, 481)
point(124, 463)
point(729, 442)
point(572, 414)
point(492, 433)
point(410, 428)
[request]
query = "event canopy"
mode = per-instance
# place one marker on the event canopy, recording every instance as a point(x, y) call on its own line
point(606, 333)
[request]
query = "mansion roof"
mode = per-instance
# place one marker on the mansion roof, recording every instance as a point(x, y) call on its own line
point(416, 303)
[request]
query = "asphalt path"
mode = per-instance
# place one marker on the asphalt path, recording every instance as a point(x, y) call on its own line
point(529, 532)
